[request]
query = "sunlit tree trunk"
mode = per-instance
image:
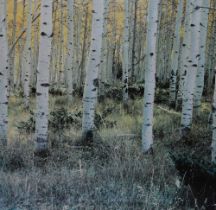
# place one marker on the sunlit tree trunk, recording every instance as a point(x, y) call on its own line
point(93, 66)
point(151, 56)
point(42, 109)
point(27, 59)
point(4, 73)
point(192, 63)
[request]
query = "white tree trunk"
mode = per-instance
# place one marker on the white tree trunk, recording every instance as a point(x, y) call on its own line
point(192, 63)
point(3, 73)
point(27, 64)
point(175, 53)
point(93, 66)
point(151, 39)
point(43, 76)
point(201, 67)
point(125, 61)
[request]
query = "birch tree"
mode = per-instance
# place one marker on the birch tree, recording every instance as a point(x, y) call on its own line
point(185, 52)
point(4, 68)
point(192, 63)
point(46, 34)
point(199, 85)
point(93, 66)
point(150, 71)
point(126, 54)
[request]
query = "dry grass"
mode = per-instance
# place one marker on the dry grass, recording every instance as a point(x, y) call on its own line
point(115, 174)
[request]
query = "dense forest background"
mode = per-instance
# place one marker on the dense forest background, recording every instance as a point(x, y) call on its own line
point(107, 104)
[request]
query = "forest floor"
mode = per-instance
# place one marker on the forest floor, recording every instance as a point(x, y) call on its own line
point(113, 174)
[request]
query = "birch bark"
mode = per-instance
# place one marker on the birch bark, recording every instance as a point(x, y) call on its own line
point(93, 66)
point(3, 74)
point(151, 48)
point(46, 34)
point(192, 63)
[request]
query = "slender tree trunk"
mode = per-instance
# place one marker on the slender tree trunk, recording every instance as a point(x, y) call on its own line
point(125, 62)
point(4, 73)
point(133, 56)
point(192, 63)
point(199, 85)
point(151, 48)
point(46, 34)
point(93, 66)
point(185, 52)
